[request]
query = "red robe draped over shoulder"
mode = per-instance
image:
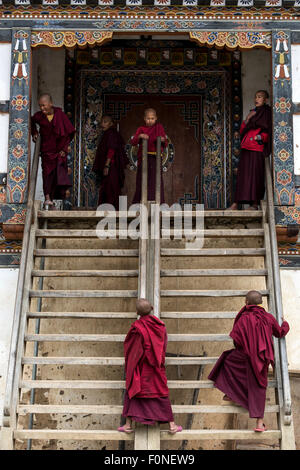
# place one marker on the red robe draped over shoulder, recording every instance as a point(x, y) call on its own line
point(56, 136)
point(252, 332)
point(242, 373)
point(145, 348)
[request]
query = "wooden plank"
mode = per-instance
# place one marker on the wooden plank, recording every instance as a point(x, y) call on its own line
point(72, 434)
point(83, 233)
point(212, 272)
point(117, 409)
point(82, 293)
point(213, 252)
point(213, 233)
point(112, 360)
point(115, 384)
point(81, 315)
point(120, 338)
point(207, 293)
point(130, 253)
point(69, 215)
point(219, 434)
point(227, 214)
point(194, 434)
point(86, 273)
point(204, 315)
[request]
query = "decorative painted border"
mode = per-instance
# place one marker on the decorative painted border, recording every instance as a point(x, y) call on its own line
point(19, 116)
point(69, 38)
point(232, 40)
point(283, 120)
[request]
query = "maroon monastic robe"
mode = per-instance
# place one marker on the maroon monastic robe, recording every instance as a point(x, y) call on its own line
point(241, 373)
point(111, 145)
point(153, 132)
point(56, 136)
point(250, 184)
point(146, 398)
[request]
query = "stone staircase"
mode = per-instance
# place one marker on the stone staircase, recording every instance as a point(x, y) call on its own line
point(78, 303)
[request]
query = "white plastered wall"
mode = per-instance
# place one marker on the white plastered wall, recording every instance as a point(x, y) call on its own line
point(48, 75)
point(296, 99)
point(290, 282)
point(8, 286)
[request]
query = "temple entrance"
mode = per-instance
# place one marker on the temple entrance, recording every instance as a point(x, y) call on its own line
point(182, 118)
point(194, 108)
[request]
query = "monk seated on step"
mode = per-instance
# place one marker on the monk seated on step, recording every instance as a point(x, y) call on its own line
point(242, 373)
point(147, 395)
point(56, 134)
point(150, 131)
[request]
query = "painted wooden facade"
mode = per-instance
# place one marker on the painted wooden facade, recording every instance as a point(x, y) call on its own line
point(232, 26)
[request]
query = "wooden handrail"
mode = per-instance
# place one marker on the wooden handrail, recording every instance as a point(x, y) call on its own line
point(20, 285)
point(278, 295)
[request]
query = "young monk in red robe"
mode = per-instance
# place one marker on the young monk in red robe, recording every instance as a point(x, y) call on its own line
point(242, 373)
point(147, 394)
point(110, 163)
point(56, 133)
point(255, 133)
point(150, 131)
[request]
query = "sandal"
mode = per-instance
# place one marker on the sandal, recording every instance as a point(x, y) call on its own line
point(174, 431)
point(122, 429)
point(261, 429)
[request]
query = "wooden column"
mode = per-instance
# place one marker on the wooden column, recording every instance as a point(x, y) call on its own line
point(19, 119)
point(283, 158)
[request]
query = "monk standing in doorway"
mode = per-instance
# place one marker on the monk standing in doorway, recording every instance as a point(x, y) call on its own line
point(110, 163)
point(256, 133)
point(56, 133)
point(150, 131)
point(242, 373)
point(147, 394)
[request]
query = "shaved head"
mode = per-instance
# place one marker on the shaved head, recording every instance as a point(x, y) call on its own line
point(46, 96)
point(149, 111)
point(143, 307)
point(253, 298)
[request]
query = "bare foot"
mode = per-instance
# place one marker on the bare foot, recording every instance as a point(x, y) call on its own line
point(233, 207)
point(253, 208)
point(174, 428)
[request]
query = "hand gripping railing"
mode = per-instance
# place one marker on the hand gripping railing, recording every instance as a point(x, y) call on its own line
point(11, 385)
point(287, 402)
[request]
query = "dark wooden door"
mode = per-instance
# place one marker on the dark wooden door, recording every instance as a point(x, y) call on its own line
point(181, 118)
